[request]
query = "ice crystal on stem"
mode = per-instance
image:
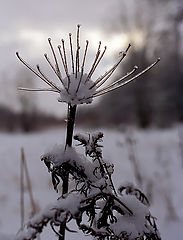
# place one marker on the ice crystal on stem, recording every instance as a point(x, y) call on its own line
point(78, 87)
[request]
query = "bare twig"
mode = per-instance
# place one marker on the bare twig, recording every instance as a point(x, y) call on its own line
point(37, 89)
point(55, 58)
point(71, 49)
point(118, 81)
point(22, 215)
point(127, 81)
point(95, 60)
point(82, 67)
point(106, 75)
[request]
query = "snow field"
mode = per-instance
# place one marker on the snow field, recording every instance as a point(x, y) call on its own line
point(157, 154)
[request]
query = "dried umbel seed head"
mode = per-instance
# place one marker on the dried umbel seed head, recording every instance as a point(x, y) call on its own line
point(79, 91)
point(77, 87)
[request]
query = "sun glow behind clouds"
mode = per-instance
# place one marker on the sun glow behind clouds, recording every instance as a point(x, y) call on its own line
point(32, 35)
point(38, 39)
point(137, 38)
point(115, 42)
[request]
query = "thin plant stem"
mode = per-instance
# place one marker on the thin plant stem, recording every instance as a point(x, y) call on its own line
point(94, 63)
point(97, 63)
point(22, 208)
point(110, 179)
point(71, 49)
point(127, 81)
point(118, 81)
point(29, 187)
point(101, 80)
point(82, 67)
point(78, 47)
point(50, 83)
point(24, 170)
point(37, 89)
point(55, 58)
point(70, 124)
point(132, 155)
point(69, 135)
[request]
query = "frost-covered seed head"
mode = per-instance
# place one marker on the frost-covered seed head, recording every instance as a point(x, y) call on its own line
point(76, 87)
point(76, 95)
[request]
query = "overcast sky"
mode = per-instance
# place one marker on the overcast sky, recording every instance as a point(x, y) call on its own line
point(26, 25)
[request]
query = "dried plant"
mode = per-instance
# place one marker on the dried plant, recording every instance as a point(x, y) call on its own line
point(131, 147)
point(78, 87)
point(111, 214)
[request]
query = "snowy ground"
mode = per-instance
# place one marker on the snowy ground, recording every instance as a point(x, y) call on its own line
point(157, 154)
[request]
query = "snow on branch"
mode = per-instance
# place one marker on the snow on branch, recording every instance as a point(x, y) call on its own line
point(94, 199)
point(61, 161)
point(91, 143)
point(123, 217)
point(110, 216)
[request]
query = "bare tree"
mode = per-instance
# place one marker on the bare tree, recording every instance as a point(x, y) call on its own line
point(27, 102)
point(158, 99)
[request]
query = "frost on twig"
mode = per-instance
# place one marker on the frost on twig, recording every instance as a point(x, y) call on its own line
point(93, 204)
point(88, 174)
point(76, 86)
point(91, 143)
point(109, 217)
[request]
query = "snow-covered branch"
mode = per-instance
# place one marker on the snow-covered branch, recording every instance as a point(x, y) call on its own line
point(115, 217)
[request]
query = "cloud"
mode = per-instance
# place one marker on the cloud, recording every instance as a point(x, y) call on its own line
point(26, 25)
point(46, 14)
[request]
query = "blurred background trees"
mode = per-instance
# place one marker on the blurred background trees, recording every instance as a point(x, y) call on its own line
point(154, 29)
point(28, 117)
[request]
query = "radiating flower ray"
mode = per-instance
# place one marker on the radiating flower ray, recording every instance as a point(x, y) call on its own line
point(82, 67)
point(77, 52)
point(56, 71)
point(119, 81)
point(38, 89)
point(111, 88)
point(46, 79)
point(96, 62)
point(62, 58)
point(50, 83)
point(101, 80)
point(71, 51)
point(55, 58)
point(77, 87)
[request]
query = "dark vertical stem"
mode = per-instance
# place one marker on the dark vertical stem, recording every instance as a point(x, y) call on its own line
point(70, 128)
point(70, 124)
point(22, 188)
